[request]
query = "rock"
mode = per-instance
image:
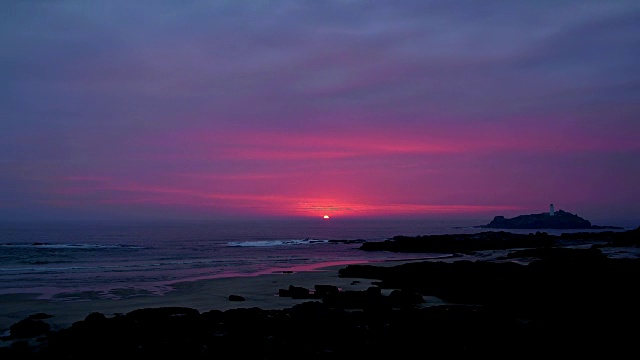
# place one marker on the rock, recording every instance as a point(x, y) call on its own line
point(28, 328)
point(352, 299)
point(40, 316)
point(460, 243)
point(161, 312)
point(95, 317)
point(295, 292)
point(402, 298)
point(322, 290)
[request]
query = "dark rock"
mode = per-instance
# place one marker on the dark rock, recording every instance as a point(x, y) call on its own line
point(460, 243)
point(370, 298)
point(161, 313)
point(309, 310)
point(95, 317)
point(236, 298)
point(403, 298)
point(28, 328)
point(39, 316)
point(559, 254)
point(500, 240)
point(322, 290)
point(295, 292)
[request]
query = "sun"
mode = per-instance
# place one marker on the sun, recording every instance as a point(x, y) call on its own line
point(326, 217)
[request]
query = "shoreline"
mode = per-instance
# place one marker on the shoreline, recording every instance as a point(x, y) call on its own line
point(562, 296)
point(259, 290)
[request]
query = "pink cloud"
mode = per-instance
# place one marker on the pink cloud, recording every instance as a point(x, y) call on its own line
point(125, 194)
point(530, 135)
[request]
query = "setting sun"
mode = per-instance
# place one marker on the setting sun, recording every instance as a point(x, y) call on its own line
point(326, 216)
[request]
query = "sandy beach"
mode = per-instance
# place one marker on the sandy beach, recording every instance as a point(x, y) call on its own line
point(204, 295)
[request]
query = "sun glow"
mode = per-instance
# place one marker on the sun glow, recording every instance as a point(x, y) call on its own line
point(326, 217)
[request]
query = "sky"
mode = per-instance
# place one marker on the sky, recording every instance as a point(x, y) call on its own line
point(167, 109)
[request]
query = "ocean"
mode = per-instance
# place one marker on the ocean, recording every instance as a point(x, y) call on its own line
point(61, 261)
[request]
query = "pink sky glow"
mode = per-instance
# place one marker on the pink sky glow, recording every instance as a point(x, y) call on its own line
point(204, 110)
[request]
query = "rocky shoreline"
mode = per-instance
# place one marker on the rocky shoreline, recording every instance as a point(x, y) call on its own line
point(568, 299)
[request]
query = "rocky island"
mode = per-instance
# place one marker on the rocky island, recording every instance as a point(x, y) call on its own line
point(550, 220)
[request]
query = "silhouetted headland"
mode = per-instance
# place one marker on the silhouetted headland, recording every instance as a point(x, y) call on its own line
point(550, 220)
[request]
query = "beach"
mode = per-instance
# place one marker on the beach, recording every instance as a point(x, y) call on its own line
point(258, 291)
point(69, 270)
point(570, 296)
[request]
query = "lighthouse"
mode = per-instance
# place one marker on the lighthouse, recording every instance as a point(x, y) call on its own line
point(551, 210)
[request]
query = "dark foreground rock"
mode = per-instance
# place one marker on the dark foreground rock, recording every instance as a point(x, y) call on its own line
point(565, 302)
point(500, 240)
point(311, 330)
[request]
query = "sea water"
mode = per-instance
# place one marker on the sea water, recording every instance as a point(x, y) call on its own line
point(61, 260)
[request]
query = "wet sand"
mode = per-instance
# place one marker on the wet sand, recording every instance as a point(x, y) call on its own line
point(204, 295)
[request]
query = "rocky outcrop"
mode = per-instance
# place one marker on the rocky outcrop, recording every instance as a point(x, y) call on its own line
point(460, 243)
point(457, 244)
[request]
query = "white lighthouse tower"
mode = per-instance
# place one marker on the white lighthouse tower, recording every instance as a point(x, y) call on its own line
point(551, 210)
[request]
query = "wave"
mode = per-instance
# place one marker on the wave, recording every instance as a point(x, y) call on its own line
point(270, 243)
point(165, 265)
point(40, 245)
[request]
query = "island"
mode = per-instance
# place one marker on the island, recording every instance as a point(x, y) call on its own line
point(549, 220)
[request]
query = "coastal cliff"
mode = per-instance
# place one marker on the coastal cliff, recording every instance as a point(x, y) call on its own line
point(559, 220)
